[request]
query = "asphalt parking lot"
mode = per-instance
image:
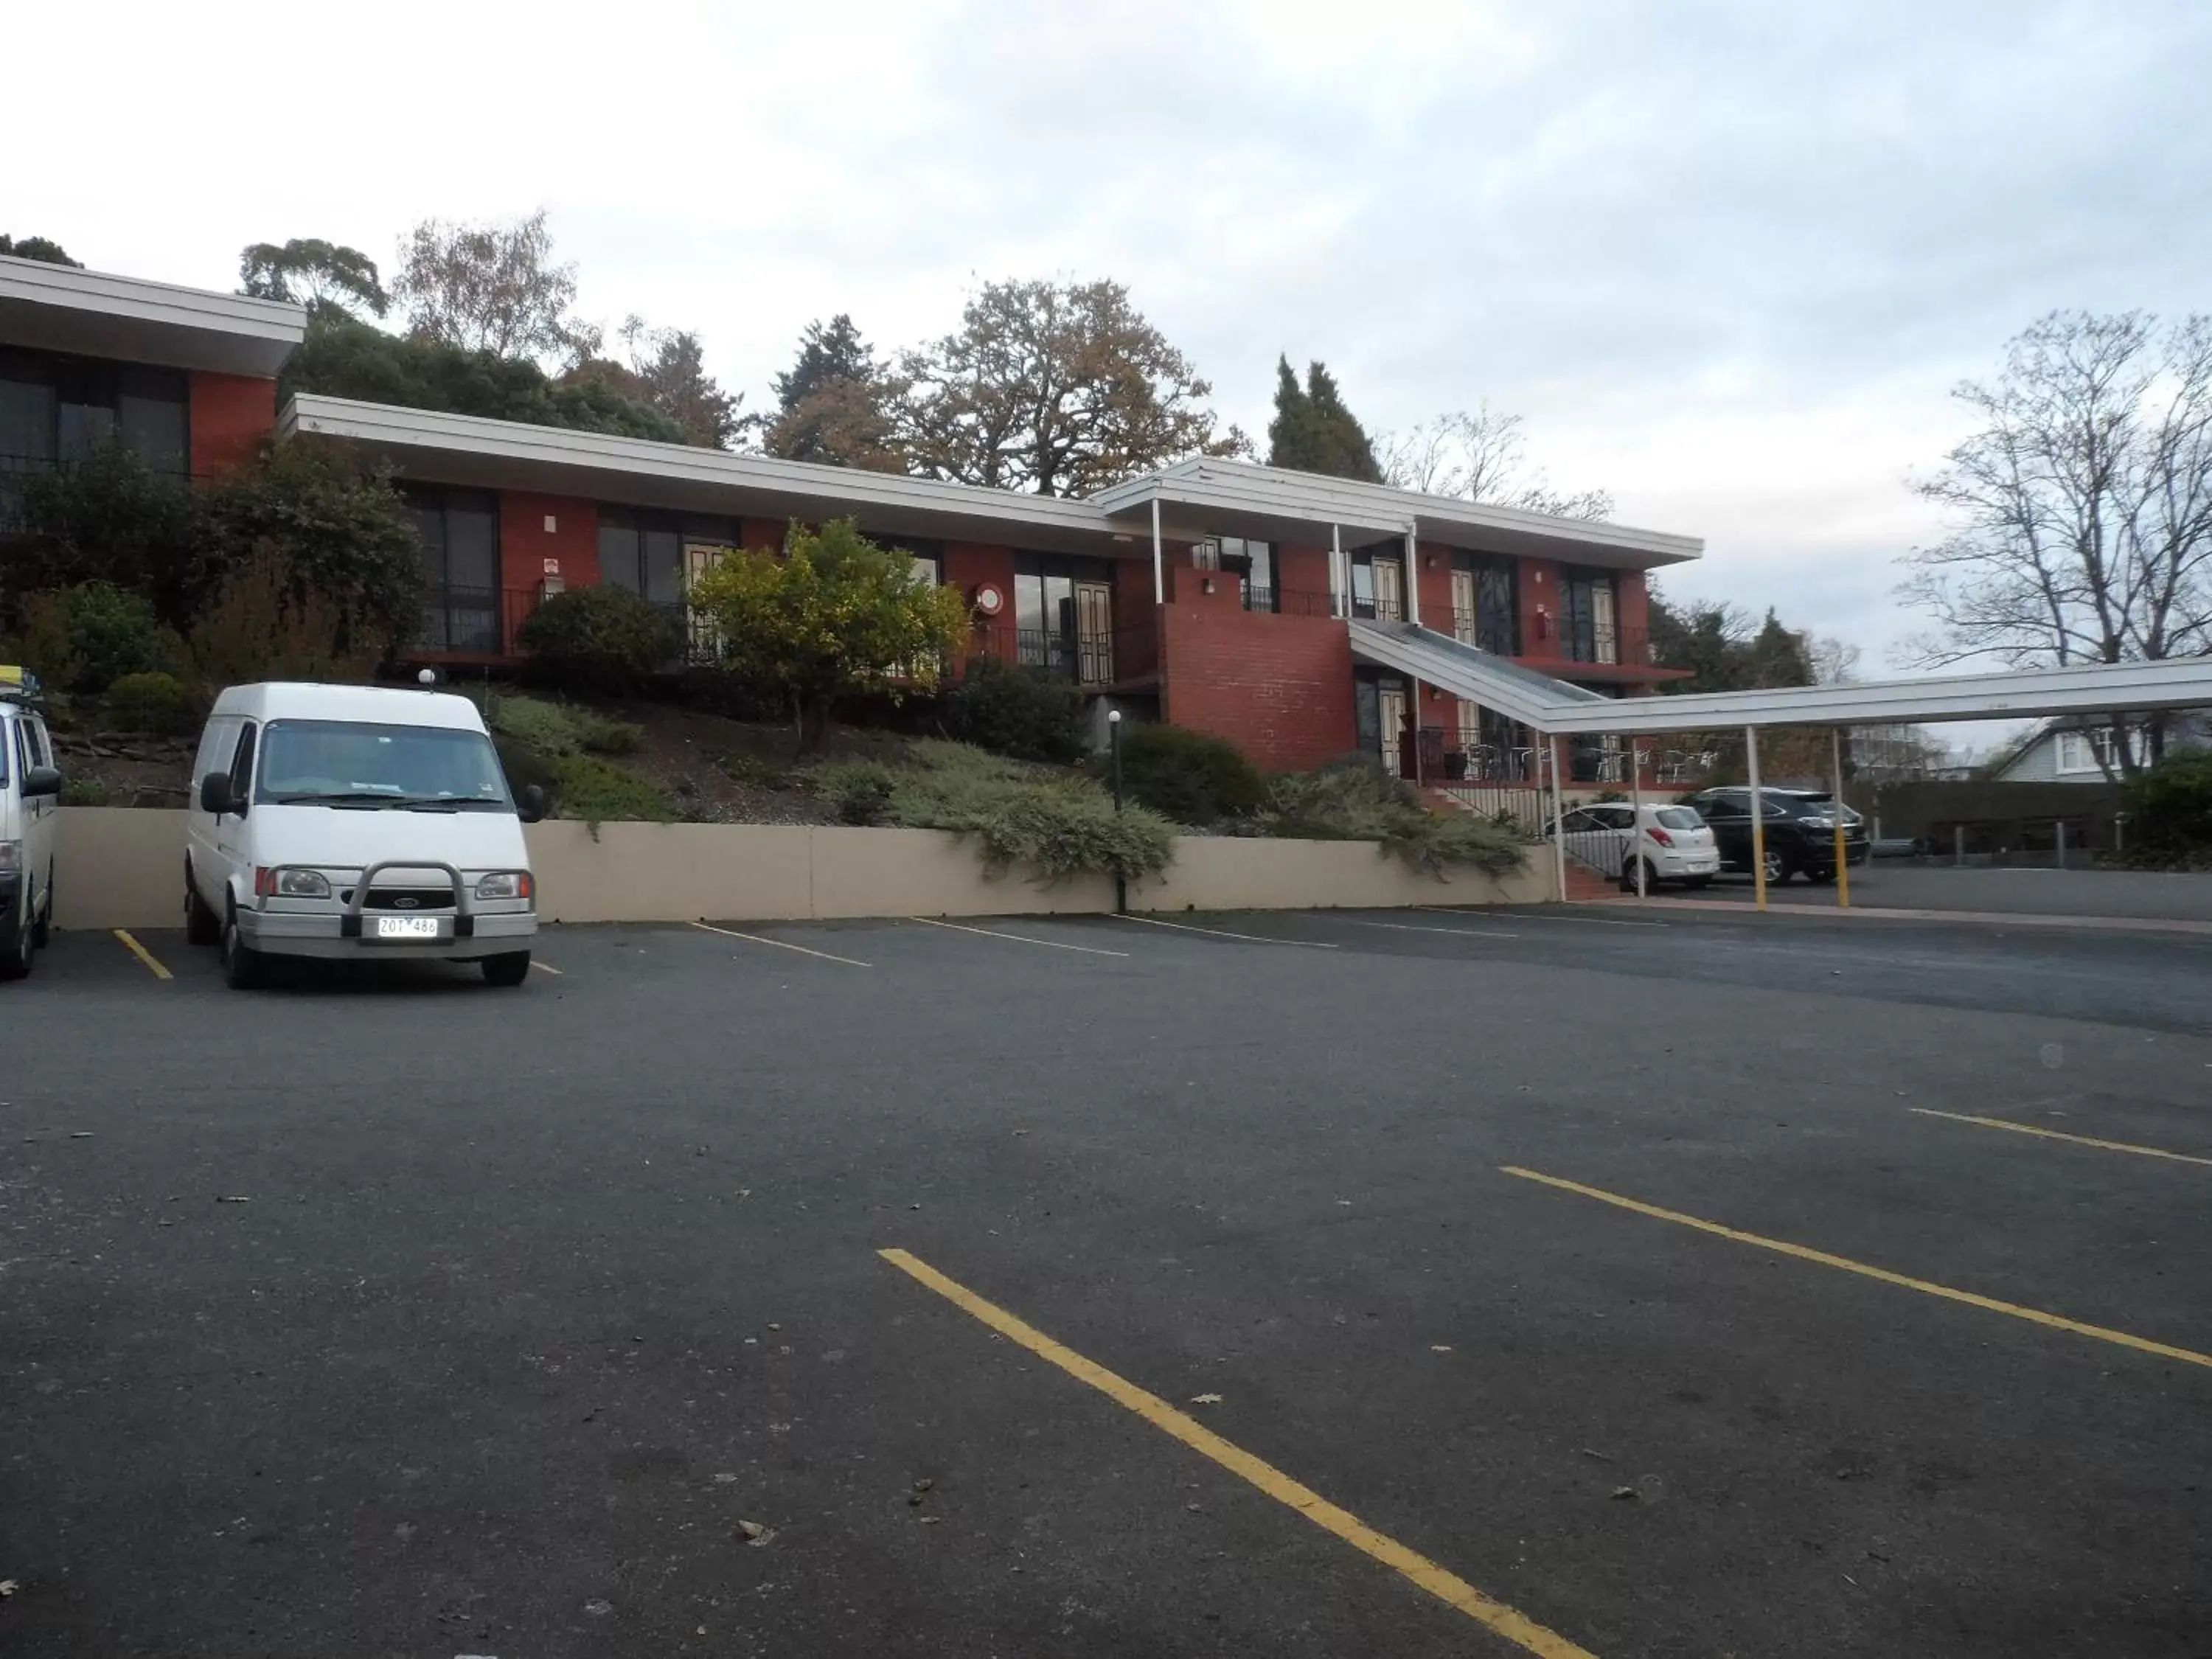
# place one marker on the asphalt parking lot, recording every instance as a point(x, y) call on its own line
point(1417, 1282)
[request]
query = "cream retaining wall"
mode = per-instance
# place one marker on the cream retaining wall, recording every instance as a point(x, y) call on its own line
point(123, 868)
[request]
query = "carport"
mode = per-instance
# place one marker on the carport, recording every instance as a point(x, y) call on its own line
point(1556, 709)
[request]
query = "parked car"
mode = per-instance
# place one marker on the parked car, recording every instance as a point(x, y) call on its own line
point(350, 822)
point(30, 795)
point(1674, 844)
point(1798, 826)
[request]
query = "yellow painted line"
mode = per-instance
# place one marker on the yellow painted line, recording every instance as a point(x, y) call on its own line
point(780, 944)
point(153, 962)
point(1447, 1587)
point(2054, 1135)
point(1223, 933)
point(1018, 938)
point(1411, 927)
point(1803, 1253)
point(545, 967)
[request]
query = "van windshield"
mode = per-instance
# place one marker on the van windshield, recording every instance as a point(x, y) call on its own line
point(358, 764)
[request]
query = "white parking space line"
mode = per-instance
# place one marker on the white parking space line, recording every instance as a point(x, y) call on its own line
point(1223, 933)
point(780, 944)
point(1530, 916)
point(545, 967)
point(1412, 927)
point(1018, 938)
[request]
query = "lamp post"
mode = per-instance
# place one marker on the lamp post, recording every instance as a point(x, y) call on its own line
point(1113, 742)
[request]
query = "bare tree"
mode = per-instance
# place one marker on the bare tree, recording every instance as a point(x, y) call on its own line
point(493, 287)
point(1055, 388)
point(2081, 510)
point(1482, 456)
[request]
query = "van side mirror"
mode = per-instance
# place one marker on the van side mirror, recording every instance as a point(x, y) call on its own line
point(38, 780)
point(531, 808)
point(216, 795)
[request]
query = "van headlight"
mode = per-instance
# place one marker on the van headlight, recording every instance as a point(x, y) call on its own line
point(11, 857)
point(302, 884)
point(504, 884)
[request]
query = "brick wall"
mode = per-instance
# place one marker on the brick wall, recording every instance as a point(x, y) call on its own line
point(231, 414)
point(524, 543)
point(1279, 687)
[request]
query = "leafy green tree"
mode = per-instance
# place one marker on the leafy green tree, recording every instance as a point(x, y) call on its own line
point(1314, 431)
point(835, 617)
point(837, 404)
point(667, 373)
point(38, 247)
point(343, 357)
point(1059, 388)
point(309, 271)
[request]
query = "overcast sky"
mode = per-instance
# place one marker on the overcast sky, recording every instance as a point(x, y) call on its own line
point(1728, 259)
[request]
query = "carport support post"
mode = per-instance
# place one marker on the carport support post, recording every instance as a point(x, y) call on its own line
point(1757, 820)
point(1336, 584)
point(1636, 805)
point(1558, 815)
point(1843, 867)
point(1159, 562)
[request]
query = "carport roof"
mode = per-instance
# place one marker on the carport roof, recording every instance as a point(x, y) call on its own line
point(1557, 708)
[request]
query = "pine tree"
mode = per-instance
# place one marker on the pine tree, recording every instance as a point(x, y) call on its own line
point(835, 405)
point(1313, 431)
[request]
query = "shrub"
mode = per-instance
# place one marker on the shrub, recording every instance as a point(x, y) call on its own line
point(863, 800)
point(600, 639)
point(84, 792)
point(1355, 800)
point(1016, 711)
point(1062, 824)
point(557, 728)
point(107, 634)
point(585, 786)
point(263, 627)
point(153, 703)
point(759, 773)
point(1190, 776)
point(2171, 804)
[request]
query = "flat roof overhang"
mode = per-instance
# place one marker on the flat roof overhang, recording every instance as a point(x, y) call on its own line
point(92, 314)
point(432, 447)
point(1203, 497)
point(1559, 708)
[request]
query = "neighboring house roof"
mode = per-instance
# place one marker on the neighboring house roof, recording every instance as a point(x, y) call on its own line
point(130, 320)
point(2035, 755)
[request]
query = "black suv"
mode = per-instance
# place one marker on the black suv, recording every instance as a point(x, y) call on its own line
point(1799, 827)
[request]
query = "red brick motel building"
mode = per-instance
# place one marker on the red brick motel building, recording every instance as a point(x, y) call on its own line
point(1303, 617)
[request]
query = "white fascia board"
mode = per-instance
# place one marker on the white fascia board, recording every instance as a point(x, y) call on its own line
point(130, 320)
point(1278, 493)
point(513, 454)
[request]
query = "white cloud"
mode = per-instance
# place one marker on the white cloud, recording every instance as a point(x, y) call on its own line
point(1727, 257)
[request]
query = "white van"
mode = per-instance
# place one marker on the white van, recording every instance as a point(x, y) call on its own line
point(350, 821)
point(30, 795)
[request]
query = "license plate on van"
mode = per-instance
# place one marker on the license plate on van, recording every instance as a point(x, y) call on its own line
point(406, 928)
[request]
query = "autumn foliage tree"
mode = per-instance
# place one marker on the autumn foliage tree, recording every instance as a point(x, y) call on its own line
point(1055, 388)
point(835, 617)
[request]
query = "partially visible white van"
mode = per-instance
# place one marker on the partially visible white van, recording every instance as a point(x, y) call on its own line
point(30, 793)
point(353, 822)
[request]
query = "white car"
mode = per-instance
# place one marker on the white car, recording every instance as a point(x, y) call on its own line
point(353, 821)
point(1675, 843)
point(30, 795)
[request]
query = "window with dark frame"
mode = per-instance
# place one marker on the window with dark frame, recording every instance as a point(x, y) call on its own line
point(459, 532)
point(55, 410)
point(1063, 616)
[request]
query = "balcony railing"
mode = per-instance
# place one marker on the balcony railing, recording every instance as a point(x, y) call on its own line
point(15, 469)
point(1085, 656)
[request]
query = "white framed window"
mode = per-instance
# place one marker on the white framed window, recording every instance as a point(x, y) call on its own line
point(2093, 750)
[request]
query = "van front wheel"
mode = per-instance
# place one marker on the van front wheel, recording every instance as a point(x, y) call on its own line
point(243, 968)
point(511, 969)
